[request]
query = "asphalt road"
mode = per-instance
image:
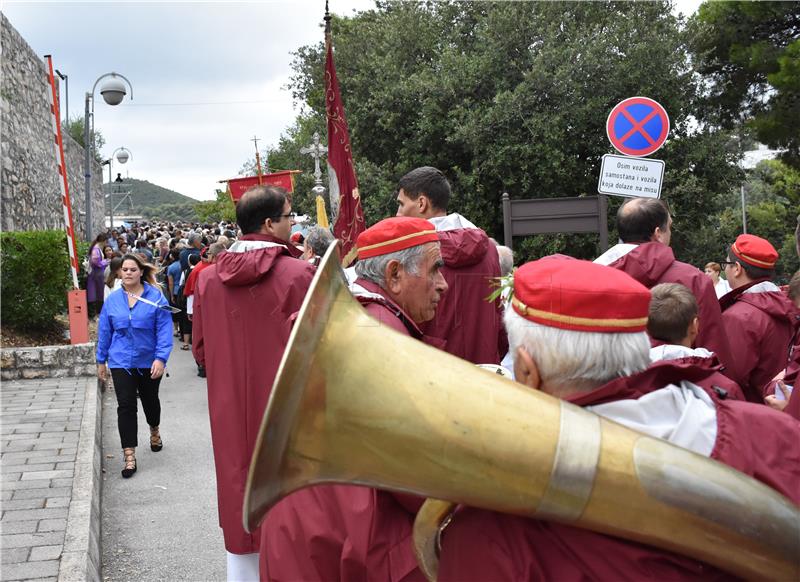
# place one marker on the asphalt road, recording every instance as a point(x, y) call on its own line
point(161, 524)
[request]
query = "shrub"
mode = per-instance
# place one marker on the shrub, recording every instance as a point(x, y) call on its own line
point(83, 254)
point(34, 278)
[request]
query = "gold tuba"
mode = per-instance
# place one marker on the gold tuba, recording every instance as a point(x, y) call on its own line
point(357, 403)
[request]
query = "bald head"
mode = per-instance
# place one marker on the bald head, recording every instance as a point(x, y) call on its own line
point(642, 220)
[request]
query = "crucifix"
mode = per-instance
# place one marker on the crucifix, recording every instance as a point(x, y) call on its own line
point(316, 150)
point(258, 160)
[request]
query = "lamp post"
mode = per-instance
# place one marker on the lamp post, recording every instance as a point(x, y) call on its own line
point(113, 92)
point(122, 155)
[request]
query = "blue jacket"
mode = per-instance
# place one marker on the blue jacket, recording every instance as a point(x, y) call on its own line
point(134, 338)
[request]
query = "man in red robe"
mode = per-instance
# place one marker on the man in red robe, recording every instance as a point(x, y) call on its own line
point(757, 314)
point(559, 326)
point(242, 319)
point(348, 533)
point(466, 324)
point(645, 229)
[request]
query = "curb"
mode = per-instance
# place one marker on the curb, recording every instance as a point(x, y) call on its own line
point(81, 556)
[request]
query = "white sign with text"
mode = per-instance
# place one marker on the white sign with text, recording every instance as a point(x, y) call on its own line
point(630, 177)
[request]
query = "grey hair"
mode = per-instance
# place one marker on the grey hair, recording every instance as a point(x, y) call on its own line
point(215, 249)
point(193, 238)
point(506, 256)
point(374, 268)
point(564, 355)
point(319, 239)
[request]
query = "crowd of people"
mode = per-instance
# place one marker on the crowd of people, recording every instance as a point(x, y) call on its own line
point(637, 336)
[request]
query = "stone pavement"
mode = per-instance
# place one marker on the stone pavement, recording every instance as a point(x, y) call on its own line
point(162, 523)
point(50, 466)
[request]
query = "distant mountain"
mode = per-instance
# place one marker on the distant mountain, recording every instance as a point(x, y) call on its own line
point(151, 200)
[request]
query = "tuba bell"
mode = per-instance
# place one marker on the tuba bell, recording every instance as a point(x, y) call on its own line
point(357, 403)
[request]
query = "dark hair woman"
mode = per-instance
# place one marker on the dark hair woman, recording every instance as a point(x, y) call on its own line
point(134, 340)
point(113, 280)
point(96, 274)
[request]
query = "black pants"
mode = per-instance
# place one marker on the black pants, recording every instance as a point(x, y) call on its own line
point(126, 384)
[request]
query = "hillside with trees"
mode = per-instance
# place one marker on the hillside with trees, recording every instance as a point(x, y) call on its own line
point(152, 201)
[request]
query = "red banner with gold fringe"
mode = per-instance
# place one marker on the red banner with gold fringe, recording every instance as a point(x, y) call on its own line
point(238, 186)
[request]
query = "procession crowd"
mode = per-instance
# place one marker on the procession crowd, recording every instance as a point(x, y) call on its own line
point(636, 336)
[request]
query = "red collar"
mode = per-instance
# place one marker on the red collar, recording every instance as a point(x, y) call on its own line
point(732, 296)
point(655, 377)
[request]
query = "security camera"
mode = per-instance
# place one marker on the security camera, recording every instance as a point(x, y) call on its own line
point(113, 91)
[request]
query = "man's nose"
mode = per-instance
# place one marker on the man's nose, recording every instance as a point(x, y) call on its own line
point(441, 284)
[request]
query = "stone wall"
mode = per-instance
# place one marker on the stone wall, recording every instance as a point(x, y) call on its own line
point(30, 196)
point(48, 362)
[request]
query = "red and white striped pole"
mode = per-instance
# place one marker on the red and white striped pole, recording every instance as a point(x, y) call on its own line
point(76, 299)
point(62, 173)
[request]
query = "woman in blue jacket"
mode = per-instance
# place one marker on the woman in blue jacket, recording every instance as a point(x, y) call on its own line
point(134, 340)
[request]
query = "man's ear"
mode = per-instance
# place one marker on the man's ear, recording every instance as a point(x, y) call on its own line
point(525, 369)
point(392, 275)
point(657, 235)
point(423, 204)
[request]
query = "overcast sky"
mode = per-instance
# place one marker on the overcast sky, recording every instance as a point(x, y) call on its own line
point(206, 76)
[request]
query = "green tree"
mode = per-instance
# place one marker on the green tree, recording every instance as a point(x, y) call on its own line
point(749, 54)
point(773, 199)
point(215, 210)
point(74, 128)
point(511, 96)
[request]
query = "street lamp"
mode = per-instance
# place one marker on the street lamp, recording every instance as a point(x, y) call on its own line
point(65, 78)
point(122, 155)
point(113, 91)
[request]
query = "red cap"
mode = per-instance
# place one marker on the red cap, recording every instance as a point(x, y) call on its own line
point(755, 251)
point(395, 234)
point(297, 237)
point(581, 296)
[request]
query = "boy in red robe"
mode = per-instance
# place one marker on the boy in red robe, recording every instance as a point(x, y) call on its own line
point(761, 320)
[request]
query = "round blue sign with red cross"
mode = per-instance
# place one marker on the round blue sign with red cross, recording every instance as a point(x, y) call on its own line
point(637, 126)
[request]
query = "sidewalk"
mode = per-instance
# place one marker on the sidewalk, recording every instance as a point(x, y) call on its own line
point(50, 468)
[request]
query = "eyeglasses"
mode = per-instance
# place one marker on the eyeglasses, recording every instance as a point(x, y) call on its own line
point(291, 215)
point(726, 263)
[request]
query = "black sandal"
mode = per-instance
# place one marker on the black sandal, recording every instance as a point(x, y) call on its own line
point(130, 463)
point(156, 444)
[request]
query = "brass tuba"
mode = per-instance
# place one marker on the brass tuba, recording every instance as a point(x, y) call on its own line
point(357, 403)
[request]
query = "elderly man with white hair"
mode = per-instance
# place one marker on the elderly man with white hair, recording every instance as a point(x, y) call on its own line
point(577, 332)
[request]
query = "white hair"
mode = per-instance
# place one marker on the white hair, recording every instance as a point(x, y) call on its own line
point(374, 268)
point(506, 256)
point(564, 355)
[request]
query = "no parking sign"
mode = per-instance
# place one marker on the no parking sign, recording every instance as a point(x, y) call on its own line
point(637, 126)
